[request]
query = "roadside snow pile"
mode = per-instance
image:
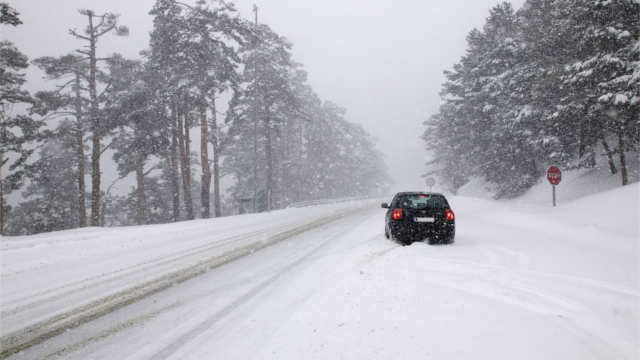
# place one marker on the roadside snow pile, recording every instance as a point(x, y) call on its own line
point(521, 282)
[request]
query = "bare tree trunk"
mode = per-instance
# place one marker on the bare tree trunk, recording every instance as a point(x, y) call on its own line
point(106, 23)
point(187, 151)
point(612, 167)
point(185, 161)
point(140, 190)
point(269, 155)
point(216, 160)
point(1, 196)
point(95, 129)
point(623, 162)
point(204, 159)
point(3, 135)
point(82, 207)
point(581, 141)
point(183, 166)
point(173, 163)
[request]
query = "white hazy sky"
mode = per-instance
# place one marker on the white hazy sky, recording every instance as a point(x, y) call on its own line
point(382, 60)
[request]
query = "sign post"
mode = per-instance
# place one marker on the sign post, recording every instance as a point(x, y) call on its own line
point(430, 183)
point(554, 175)
point(321, 185)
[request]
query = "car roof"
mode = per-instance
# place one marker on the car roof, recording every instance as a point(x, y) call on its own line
point(418, 193)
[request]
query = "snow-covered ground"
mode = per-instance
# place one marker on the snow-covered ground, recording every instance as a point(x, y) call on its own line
point(523, 280)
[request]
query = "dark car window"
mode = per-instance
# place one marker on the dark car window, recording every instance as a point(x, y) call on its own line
point(420, 201)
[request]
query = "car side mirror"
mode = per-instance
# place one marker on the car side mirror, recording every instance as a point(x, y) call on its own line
point(385, 206)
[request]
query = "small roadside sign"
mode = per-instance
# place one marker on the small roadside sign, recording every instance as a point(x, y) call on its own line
point(430, 183)
point(554, 175)
point(321, 184)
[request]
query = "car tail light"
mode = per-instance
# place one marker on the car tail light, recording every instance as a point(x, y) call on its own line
point(397, 214)
point(449, 214)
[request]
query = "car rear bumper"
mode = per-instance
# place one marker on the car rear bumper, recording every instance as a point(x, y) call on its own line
point(419, 231)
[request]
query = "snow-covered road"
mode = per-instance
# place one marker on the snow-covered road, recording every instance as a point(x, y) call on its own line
point(521, 281)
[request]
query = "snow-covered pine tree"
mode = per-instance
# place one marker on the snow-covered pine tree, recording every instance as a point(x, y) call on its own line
point(16, 130)
point(169, 58)
point(298, 140)
point(479, 131)
point(51, 201)
point(265, 103)
point(9, 15)
point(211, 32)
point(541, 86)
point(69, 99)
point(358, 167)
point(607, 58)
point(98, 26)
point(144, 124)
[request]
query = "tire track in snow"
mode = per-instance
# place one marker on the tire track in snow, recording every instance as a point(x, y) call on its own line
point(123, 325)
point(43, 330)
point(591, 282)
point(502, 282)
point(218, 316)
point(229, 309)
point(128, 271)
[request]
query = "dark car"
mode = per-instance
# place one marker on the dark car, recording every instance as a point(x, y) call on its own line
point(416, 216)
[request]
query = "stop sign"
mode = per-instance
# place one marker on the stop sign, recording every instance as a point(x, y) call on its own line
point(554, 175)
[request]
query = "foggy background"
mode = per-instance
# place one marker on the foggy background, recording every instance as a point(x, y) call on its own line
point(382, 60)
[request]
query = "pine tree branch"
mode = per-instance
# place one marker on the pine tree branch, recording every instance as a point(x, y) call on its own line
point(74, 33)
point(150, 170)
point(106, 147)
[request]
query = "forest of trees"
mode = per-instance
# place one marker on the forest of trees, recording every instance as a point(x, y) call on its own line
point(554, 83)
point(143, 112)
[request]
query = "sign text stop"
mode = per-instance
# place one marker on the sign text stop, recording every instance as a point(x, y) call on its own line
point(554, 175)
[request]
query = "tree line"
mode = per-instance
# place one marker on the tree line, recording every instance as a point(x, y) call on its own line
point(554, 83)
point(277, 135)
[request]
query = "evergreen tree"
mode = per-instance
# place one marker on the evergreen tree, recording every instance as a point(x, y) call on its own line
point(9, 15)
point(143, 124)
point(16, 130)
point(51, 196)
point(99, 25)
point(169, 57)
point(70, 99)
point(537, 87)
point(603, 71)
point(212, 30)
point(482, 128)
point(267, 101)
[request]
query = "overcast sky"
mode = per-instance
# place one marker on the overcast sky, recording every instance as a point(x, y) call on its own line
point(382, 60)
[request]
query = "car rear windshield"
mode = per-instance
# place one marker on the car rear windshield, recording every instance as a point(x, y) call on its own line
point(421, 201)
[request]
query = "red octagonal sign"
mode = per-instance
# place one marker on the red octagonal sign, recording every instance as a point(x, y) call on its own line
point(554, 175)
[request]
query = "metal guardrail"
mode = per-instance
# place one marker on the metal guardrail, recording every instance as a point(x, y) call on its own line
point(326, 201)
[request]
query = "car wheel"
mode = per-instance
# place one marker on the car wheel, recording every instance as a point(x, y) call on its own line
point(386, 232)
point(397, 239)
point(449, 237)
point(436, 240)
